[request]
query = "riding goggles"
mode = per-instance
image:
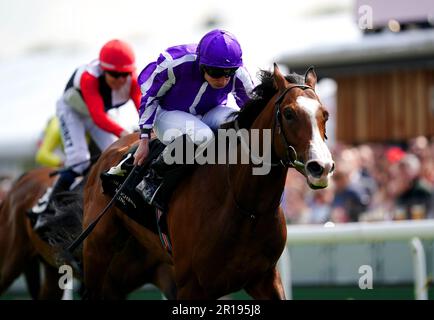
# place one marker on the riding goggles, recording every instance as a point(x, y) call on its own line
point(216, 73)
point(117, 75)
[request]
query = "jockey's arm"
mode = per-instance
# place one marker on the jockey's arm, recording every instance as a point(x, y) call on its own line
point(160, 85)
point(91, 96)
point(243, 86)
point(135, 93)
point(141, 152)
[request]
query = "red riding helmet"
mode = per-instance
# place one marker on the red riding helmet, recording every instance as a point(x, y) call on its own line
point(117, 55)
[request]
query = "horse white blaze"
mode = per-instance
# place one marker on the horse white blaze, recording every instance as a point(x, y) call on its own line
point(318, 150)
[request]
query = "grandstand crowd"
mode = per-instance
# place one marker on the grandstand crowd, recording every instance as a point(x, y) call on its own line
point(371, 182)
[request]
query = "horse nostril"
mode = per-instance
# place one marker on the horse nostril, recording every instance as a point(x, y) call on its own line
point(315, 169)
point(333, 168)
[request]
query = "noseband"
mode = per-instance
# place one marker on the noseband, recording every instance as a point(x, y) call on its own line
point(291, 158)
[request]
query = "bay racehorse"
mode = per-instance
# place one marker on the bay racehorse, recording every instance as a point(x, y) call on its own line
point(226, 228)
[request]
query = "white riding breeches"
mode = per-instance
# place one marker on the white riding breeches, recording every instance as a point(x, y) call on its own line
point(171, 124)
point(74, 127)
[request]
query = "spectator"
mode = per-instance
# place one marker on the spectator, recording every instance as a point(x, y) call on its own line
point(415, 194)
point(347, 204)
point(319, 204)
point(293, 202)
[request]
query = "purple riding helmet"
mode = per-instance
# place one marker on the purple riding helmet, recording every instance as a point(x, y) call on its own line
point(220, 49)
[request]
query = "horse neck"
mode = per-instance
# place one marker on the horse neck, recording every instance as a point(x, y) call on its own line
point(258, 193)
point(250, 189)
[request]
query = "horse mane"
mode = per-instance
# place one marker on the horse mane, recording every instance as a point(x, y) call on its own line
point(66, 224)
point(262, 93)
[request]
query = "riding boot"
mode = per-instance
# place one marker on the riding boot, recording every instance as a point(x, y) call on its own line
point(43, 209)
point(154, 180)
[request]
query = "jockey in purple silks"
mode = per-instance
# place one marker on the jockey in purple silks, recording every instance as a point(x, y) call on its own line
point(187, 87)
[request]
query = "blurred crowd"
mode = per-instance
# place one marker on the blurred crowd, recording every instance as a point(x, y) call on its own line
point(371, 182)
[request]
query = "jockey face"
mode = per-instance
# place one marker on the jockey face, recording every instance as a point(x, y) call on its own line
point(218, 78)
point(217, 83)
point(115, 80)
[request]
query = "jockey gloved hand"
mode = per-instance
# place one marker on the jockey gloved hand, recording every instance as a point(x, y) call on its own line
point(142, 152)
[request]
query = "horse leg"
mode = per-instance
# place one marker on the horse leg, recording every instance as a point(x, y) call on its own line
point(122, 272)
point(16, 250)
point(135, 266)
point(50, 287)
point(95, 269)
point(163, 279)
point(193, 291)
point(98, 252)
point(268, 287)
point(14, 263)
point(33, 277)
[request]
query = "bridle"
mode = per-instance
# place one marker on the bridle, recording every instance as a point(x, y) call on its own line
point(290, 158)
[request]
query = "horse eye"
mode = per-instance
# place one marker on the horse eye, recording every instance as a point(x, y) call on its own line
point(326, 115)
point(288, 114)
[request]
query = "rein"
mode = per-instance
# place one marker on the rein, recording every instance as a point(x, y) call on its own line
point(291, 157)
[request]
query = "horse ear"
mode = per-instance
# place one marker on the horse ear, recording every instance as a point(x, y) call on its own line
point(279, 79)
point(310, 77)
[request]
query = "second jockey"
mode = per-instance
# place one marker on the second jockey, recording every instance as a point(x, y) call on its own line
point(93, 89)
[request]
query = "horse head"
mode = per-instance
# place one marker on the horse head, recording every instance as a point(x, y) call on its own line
point(300, 128)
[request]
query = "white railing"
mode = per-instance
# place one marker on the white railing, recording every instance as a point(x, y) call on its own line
point(410, 230)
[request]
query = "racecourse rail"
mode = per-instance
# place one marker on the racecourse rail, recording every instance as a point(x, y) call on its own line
point(410, 230)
